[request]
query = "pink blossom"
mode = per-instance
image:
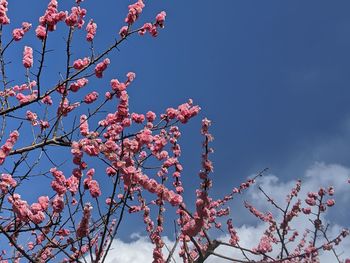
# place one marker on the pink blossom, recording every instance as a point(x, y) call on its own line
point(91, 97)
point(134, 11)
point(81, 63)
point(330, 202)
point(31, 116)
point(160, 18)
point(40, 32)
point(6, 182)
point(26, 98)
point(58, 204)
point(91, 30)
point(150, 116)
point(84, 126)
point(100, 67)
point(47, 100)
point(18, 33)
point(123, 32)
point(117, 86)
point(28, 57)
point(44, 202)
point(4, 20)
point(264, 245)
point(7, 147)
point(75, 86)
point(76, 18)
point(83, 227)
point(20, 207)
point(138, 118)
point(49, 19)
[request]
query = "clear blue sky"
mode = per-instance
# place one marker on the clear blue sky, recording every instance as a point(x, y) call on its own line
point(273, 76)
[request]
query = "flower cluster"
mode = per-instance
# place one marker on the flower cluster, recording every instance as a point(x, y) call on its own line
point(49, 20)
point(18, 33)
point(91, 30)
point(7, 147)
point(28, 57)
point(100, 67)
point(4, 20)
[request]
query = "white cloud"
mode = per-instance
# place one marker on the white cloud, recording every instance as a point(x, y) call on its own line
point(320, 174)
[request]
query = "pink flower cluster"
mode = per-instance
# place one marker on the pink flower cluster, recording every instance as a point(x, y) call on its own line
point(59, 182)
point(153, 28)
point(134, 12)
point(76, 18)
point(81, 63)
point(100, 67)
point(6, 182)
point(138, 118)
point(49, 19)
point(91, 30)
point(160, 18)
point(28, 57)
point(91, 97)
point(91, 184)
point(24, 213)
point(123, 32)
point(75, 86)
point(65, 107)
point(183, 113)
point(233, 233)
point(264, 245)
point(47, 100)
point(7, 147)
point(32, 117)
point(83, 227)
point(4, 20)
point(84, 126)
point(18, 33)
point(25, 98)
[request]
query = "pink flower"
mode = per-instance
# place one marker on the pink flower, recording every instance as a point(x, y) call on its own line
point(28, 57)
point(49, 19)
point(134, 11)
point(44, 202)
point(58, 204)
point(83, 227)
point(91, 30)
point(47, 100)
point(91, 97)
point(76, 18)
point(18, 33)
point(4, 20)
point(330, 202)
point(160, 18)
point(131, 76)
point(138, 118)
point(7, 147)
point(75, 86)
point(81, 63)
point(123, 32)
point(100, 67)
point(6, 182)
point(150, 116)
point(84, 126)
point(40, 32)
point(264, 245)
point(117, 86)
point(94, 188)
point(31, 116)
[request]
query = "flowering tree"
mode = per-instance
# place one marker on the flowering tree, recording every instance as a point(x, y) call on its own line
point(138, 154)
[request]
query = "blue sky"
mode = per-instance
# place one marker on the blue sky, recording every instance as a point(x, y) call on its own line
point(273, 76)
